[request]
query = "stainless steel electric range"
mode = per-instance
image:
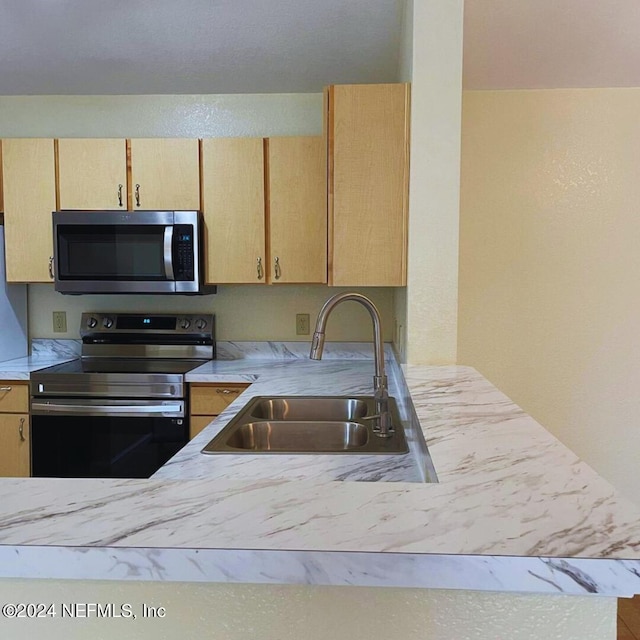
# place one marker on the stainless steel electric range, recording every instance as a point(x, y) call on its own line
point(119, 411)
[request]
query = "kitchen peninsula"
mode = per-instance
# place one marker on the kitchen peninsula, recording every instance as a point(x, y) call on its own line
point(514, 510)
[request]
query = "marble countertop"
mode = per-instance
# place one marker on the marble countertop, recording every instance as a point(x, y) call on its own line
point(514, 510)
point(22, 368)
point(45, 353)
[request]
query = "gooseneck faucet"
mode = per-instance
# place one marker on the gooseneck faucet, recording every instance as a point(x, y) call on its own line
point(383, 427)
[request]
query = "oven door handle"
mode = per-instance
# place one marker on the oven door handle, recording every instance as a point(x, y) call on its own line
point(168, 252)
point(105, 409)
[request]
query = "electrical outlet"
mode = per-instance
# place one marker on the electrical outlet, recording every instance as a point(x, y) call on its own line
point(302, 324)
point(59, 321)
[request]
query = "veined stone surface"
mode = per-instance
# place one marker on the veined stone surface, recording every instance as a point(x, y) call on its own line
point(514, 510)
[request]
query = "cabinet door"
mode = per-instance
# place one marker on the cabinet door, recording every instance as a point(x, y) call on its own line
point(368, 184)
point(29, 186)
point(92, 173)
point(198, 423)
point(14, 445)
point(233, 206)
point(297, 209)
point(168, 172)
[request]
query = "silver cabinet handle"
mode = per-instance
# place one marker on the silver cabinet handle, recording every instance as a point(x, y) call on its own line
point(120, 195)
point(137, 195)
point(227, 391)
point(51, 274)
point(6, 388)
point(21, 430)
point(260, 270)
point(277, 268)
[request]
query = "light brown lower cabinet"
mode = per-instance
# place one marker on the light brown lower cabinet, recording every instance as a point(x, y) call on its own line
point(15, 458)
point(208, 400)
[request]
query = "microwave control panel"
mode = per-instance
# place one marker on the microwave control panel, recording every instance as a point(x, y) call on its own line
point(183, 252)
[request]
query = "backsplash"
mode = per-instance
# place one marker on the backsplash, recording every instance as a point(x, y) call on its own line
point(257, 313)
point(62, 348)
point(234, 350)
point(294, 350)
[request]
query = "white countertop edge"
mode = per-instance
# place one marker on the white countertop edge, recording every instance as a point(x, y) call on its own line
point(566, 576)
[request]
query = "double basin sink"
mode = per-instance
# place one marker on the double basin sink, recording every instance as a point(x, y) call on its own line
point(309, 424)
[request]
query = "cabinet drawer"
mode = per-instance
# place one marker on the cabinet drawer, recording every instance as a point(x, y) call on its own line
point(210, 400)
point(14, 397)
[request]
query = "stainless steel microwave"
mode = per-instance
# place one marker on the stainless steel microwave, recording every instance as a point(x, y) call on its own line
point(128, 252)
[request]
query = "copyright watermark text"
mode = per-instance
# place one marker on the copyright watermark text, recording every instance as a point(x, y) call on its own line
point(80, 610)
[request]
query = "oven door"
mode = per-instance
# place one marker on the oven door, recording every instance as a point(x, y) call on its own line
point(73, 438)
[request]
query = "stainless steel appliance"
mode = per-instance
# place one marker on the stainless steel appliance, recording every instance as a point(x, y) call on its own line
point(128, 252)
point(119, 411)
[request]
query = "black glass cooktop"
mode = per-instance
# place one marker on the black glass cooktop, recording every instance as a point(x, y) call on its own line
point(121, 365)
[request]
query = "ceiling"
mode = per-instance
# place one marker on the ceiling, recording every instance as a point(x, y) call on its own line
point(195, 46)
point(280, 46)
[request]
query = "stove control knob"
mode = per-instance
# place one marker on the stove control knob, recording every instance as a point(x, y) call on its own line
point(185, 323)
point(92, 323)
point(107, 323)
point(201, 323)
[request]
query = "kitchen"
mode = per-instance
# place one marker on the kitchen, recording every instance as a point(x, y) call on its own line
point(429, 332)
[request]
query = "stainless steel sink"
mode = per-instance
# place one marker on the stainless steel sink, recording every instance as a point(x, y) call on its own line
point(308, 424)
point(290, 436)
point(310, 408)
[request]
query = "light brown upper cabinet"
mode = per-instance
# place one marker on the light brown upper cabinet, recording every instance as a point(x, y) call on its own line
point(297, 209)
point(367, 130)
point(165, 174)
point(29, 189)
point(92, 173)
point(233, 207)
point(264, 205)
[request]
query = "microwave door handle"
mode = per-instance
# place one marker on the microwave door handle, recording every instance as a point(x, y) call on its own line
point(168, 252)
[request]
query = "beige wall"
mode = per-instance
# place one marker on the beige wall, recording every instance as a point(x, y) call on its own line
point(550, 263)
point(268, 612)
point(428, 311)
point(243, 313)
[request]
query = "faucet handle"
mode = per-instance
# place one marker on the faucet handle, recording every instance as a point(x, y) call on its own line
point(380, 417)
